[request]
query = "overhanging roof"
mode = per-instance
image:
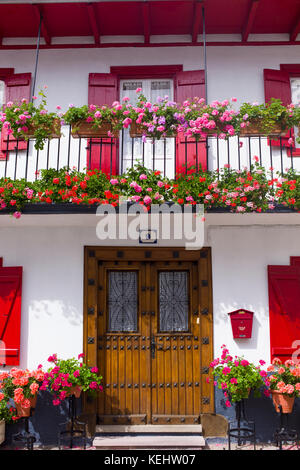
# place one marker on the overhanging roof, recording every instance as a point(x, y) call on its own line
point(145, 20)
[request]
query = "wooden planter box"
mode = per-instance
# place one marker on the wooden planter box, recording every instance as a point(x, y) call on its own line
point(254, 130)
point(54, 130)
point(86, 130)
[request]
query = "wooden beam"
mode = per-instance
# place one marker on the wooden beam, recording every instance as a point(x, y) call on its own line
point(146, 18)
point(38, 11)
point(93, 22)
point(296, 30)
point(249, 20)
point(197, 20)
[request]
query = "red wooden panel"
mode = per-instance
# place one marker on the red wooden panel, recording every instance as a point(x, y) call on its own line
point(17, 87)
point(10, 314)
point(103, 89)
point(295, 261)
point(277, 85)
point(284, 304)
point(188, 85)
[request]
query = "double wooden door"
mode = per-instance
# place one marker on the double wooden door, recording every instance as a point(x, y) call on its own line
point(152, 348)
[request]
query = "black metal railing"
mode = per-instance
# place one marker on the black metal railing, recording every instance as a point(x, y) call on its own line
point(170, 156)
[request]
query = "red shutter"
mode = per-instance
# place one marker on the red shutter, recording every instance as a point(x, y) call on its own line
point(188, 85)
point(10, 314)
point(295, 261)
point(103, 153)
point(17, 87)
point(284, 303)
point(278, 85)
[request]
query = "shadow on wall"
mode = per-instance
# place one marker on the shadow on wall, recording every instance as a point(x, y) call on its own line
point(262, 411)
point(51, 307)
point(45, 422)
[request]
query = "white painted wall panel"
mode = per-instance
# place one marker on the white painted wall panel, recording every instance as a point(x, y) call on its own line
point(52, 302)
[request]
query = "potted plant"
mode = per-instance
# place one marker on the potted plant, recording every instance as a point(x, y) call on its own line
point(284, 384)
point(7, 414)
point(25, 120)
point(91, 121)
point(199, 120)
point(268, 119)
point(236, 377)
point(22, 386)
point(70, 377)
point(153, 120)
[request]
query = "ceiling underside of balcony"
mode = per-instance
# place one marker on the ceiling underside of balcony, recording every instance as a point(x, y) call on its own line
point(148, 23)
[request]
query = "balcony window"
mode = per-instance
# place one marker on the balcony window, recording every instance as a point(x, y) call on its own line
point(2, 88)
point(295, 88)
point(158, 155)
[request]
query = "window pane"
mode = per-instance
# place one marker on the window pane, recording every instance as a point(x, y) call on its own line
point(122, 300)
point(173, 301)
point(160, 89)
point(295, 88)
point(1, 93)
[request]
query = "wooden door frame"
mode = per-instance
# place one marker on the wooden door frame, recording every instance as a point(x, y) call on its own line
point(95, 254)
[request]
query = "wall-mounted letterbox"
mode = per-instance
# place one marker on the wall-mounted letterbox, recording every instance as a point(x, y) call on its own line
point(241, 322)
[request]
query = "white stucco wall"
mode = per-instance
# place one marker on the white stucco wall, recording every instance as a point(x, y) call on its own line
point(232, 72)
point(52, 256)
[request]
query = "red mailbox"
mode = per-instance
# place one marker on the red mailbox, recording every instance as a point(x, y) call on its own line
point(241, 322)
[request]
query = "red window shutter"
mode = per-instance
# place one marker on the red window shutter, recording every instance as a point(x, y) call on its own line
point(10, 314)
point(284, 304)
point(189, 153)
point(17, 87)
point(295, 261)
point(277, 85)
point(103, 153)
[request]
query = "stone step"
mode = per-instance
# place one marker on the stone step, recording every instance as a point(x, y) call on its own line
point(146, 441)
point(149, 428)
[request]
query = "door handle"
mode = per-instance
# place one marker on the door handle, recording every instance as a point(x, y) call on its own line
point(152, 347)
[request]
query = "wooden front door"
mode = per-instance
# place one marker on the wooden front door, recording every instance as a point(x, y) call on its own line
point(152, 334)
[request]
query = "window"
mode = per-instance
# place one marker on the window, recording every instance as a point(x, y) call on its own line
point(295, 89)
point(148, 153)
point(2, 88)
point(173, 301)
point(122, 300)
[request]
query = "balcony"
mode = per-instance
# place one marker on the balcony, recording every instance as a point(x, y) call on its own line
point(169, 156)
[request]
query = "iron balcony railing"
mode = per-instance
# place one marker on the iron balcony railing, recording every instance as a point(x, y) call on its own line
point(114, 156)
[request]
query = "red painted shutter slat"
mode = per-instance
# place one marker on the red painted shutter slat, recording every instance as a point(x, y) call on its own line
point(103, 153)
point(17, 87)
point(284, 303)
point(295, 261)
point(188, 85)
point(10, 314)
point(277, 85)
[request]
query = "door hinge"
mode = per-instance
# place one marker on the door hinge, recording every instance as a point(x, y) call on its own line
point(205, 340)
point(91, 340)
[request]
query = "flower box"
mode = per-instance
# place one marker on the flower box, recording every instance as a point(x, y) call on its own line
point(83, 129)
point(254, 129)
point(54, 130)
point(2, 431)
